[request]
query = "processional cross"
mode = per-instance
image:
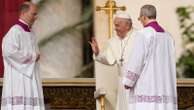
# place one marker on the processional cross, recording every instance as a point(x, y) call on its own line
point(110, 8)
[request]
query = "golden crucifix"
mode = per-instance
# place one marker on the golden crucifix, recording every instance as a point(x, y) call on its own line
point(110, 8)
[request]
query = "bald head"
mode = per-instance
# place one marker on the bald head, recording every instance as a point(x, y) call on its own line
point(24, 7)
point(28, 12)
point(148, 11)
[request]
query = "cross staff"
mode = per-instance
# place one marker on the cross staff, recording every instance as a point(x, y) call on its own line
point(110, 8)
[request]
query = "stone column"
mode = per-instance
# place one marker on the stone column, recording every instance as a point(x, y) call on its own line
point(60, 46)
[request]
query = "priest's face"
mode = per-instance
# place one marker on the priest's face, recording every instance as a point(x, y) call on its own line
point(31, 15)
point(122, 26)
point(143, 19)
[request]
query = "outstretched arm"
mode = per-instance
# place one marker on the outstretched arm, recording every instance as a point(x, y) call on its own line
point(105, 57)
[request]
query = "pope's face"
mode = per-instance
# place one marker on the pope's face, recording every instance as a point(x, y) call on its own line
point(122, 26)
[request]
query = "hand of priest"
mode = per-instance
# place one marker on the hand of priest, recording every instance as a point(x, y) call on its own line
point(127, 87)
point(94, 46)
point(38, 57)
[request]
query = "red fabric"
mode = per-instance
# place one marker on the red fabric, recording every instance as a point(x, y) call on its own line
point(8, 17)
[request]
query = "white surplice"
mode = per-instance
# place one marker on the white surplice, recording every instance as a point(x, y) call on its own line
point(151, 72)
point(22, 88)
point(116, 50)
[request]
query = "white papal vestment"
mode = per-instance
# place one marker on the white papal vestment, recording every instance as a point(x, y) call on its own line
point(115, 50)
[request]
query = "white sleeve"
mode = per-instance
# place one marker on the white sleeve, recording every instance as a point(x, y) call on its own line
point(135, 63)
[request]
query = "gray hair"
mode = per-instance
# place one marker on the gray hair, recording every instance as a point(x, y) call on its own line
point(148, 11)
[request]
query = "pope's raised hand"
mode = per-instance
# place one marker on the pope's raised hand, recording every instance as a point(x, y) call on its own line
point(94, 46)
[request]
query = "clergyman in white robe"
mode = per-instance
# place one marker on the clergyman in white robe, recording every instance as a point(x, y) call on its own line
point(117, 52)
point(151, 70)
point(22, 88)
point(112, 55)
